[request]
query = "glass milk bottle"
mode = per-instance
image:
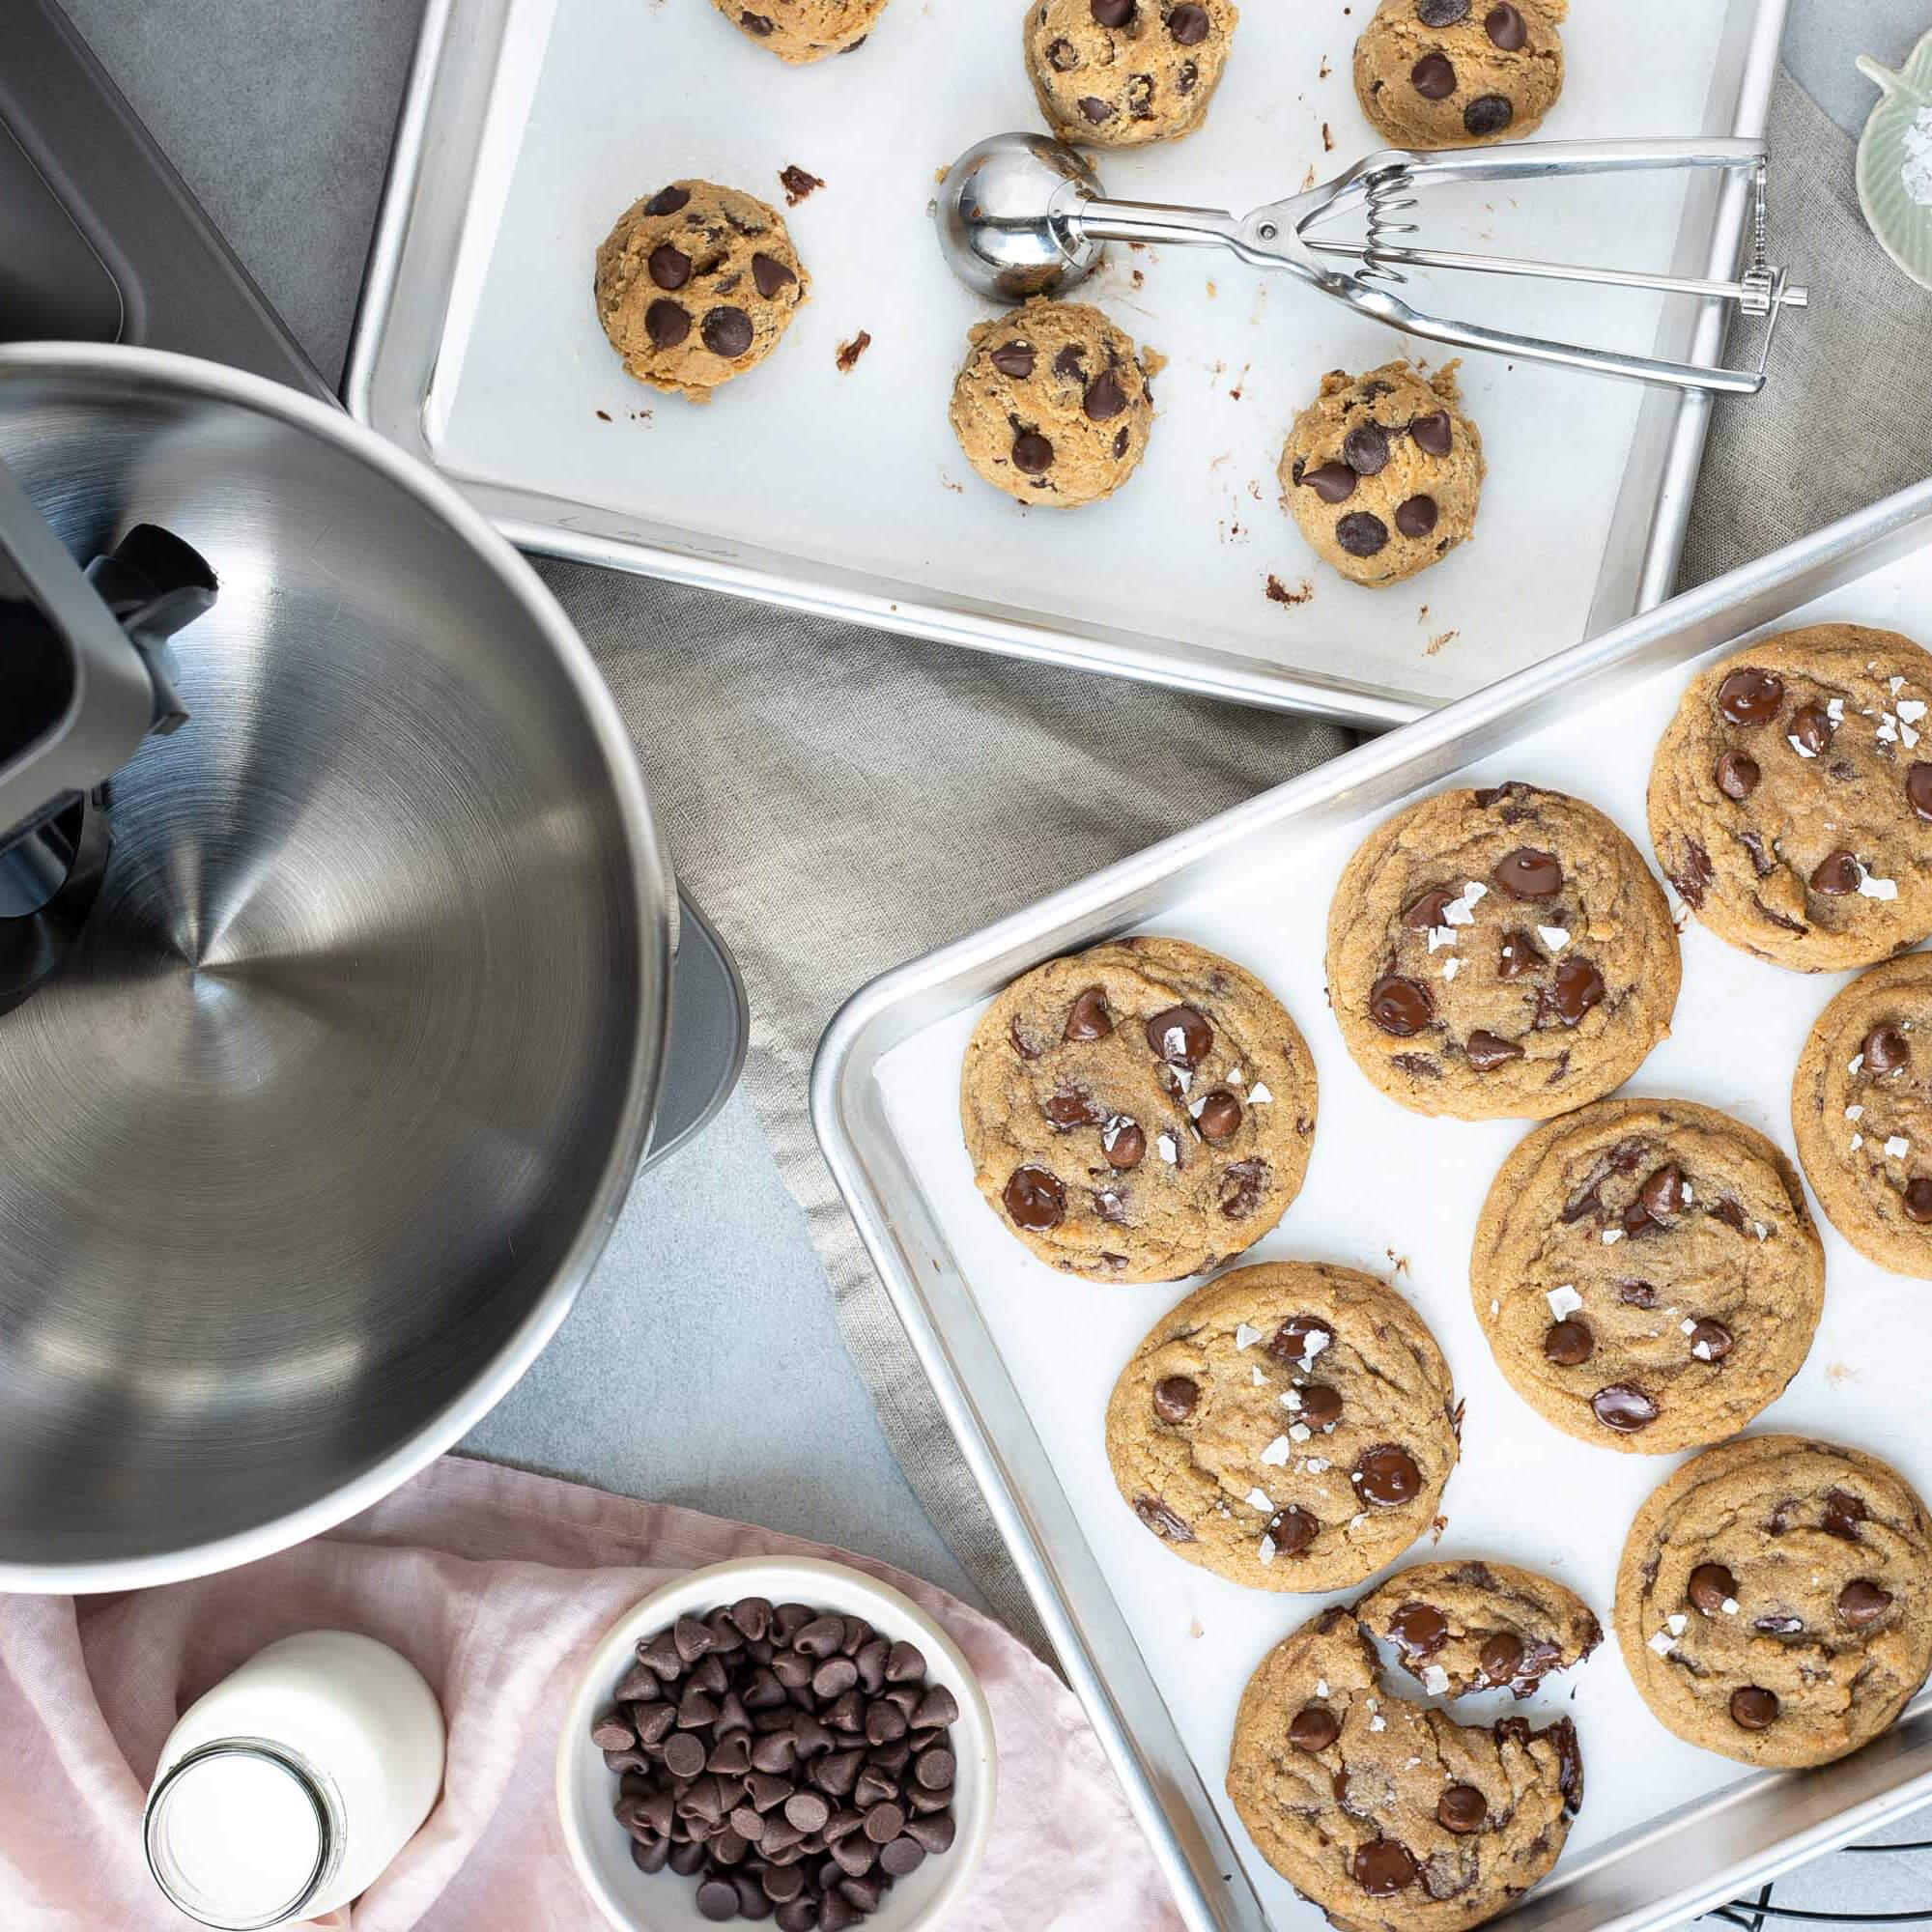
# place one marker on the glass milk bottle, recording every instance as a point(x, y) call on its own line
point(286, 1790)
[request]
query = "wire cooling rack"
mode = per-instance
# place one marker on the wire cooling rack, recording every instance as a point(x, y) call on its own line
point(1887, 1882)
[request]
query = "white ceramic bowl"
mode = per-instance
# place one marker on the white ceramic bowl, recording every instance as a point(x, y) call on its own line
point(636, 1901)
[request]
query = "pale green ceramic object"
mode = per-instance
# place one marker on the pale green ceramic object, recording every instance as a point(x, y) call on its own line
point(1903, 226)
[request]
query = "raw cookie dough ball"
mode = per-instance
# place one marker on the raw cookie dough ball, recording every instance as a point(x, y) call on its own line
point(1053, 405)
point(1458, 1627)
point(1288, 1427)
point(1775, 1599)
point(1391, 1816)
point(1861, 1109)
point(1647, 1274)
point(1118, 73)
point(696, 284)
point(1383, 473)
point(1138, 1111)
point(1791, 798)
point(1500, 952)
point(800, 31)
point(1456, 73)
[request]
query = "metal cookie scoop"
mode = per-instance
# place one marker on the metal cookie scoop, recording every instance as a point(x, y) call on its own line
point(1023, 215)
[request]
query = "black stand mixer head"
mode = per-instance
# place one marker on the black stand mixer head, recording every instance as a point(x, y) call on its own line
point(83, 683)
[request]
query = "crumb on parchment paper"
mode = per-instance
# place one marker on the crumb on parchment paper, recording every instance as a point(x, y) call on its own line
point(850, 352)
point(1436, 1529)
point(1279, 592)
point(1152, 360)
point(1438, 641)
point(1838, 1374)
point(797, 184)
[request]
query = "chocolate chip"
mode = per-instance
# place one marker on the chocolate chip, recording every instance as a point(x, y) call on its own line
point(771, 276)
point(1486, 1051)
point(1063, 56)
point(1188, 25)
point(1333, 482)
point(1528, 874)
point(1442, 13)
point(1837, 874)
point(1918, 790)
point(1313, 1729)
point(1862, 1602)
point(1320, 1405)
point(1433, 77)
point(1361, 534)
point(1291, 1530)
point(1220, 1115)
point(1502, 1657)
point(668, 201)
point(1919, 1199)
point(1753, 1708)
point(1034, 1199)
point(1885, 1050)
point(1387, 1476)
point(1014, 359)
point(1577, 987)
point(1738, 775)
point(1073, 1109)
point(1301, 1339)
point(899, 1859)
point(667, 324)
point(1383, 1868)
point(1071, 362)
point(1569, 1343)
point(1517, 954)
point(1089, 1017)
point(1111, 12)
point(1189, 78)
point(1462, 1809)
point(1712, 1587)
point(1105, 397)
point(1123, 1142)
point(1811, 727)
point(670, 267)
point(1694, 877)
point(1180, 1037)
point(1750, 697)
point(1366, 449)
point(756, 23)
point(1432, 434)
point(1664, 1193)
point(1427, 910)
point(1504, 25)
point(1488, 114)
point(1096, 111)
point(1711, 1341)
point(727, 331)
point(1245, 1183)
point(1162, 1521)
point(1843, 1513)
point(1399, 1006)
point(1175, 1397)
point(1415, 516)
point(1781, 1623)
point(1624, 1408)
point(1420, 1628)
point(1032, 454)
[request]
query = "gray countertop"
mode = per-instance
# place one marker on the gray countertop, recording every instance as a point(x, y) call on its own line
point(703, 1365)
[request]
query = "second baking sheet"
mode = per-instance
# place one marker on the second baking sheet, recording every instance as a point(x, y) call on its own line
point(1398, 1195)
point(847, 489)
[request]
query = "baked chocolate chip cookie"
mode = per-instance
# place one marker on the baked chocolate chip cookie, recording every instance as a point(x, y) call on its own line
point(1054, 403)
point(1139, 1112)
point(1290, 1427)
point(1383, 472)
point(1861, 1109)
point(1790, 801)
point(1458, 1627)
point(800, 31)
point(1647, 1274)
point(1500, 952)
point(1118, 73)
point(1390, 1816)
point(1775, 1599)
point(1459, 73)
point(697, 284)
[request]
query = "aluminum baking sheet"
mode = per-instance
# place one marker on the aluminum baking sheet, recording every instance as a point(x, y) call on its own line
point(529, 124)
point(1024, 1358)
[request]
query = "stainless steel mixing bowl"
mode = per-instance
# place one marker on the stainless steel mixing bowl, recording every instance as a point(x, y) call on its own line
point(305, 1154)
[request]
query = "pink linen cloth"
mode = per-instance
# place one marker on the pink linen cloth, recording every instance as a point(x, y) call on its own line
point(496, 1584)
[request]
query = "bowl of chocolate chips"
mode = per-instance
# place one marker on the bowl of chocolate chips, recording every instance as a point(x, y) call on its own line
point(778, 1739)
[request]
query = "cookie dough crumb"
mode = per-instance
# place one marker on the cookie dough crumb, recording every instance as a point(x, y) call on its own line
point(797, 184)
point(850, 352)
point(1279, 592)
